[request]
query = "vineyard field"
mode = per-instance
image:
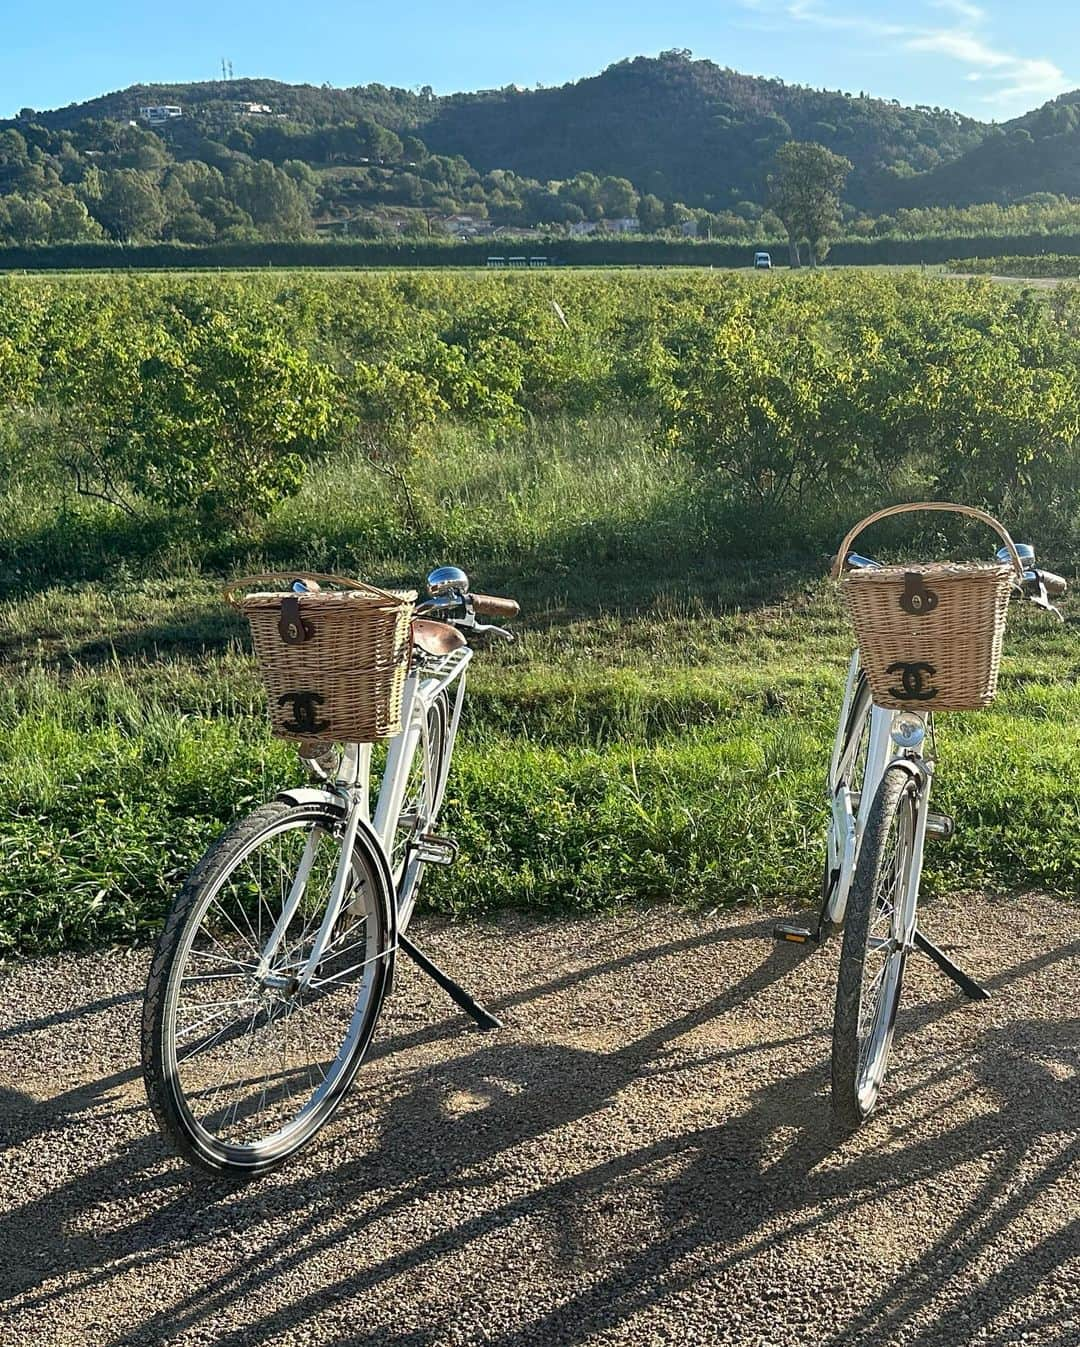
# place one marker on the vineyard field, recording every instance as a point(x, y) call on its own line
point(657, 465)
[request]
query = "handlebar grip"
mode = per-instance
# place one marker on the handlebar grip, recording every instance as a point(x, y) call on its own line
point(488, 605)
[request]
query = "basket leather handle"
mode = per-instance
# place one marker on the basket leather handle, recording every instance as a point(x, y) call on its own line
point(245, 581)
point(999, 529)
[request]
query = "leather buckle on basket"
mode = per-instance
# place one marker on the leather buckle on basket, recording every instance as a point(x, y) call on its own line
point(918, 598)
point(292, 628)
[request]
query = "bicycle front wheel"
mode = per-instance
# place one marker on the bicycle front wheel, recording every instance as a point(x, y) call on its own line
point(847, 773)
point(872, 955)
point(245, 1056)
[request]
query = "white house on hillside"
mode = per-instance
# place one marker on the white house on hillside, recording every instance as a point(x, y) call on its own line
point(163, 112)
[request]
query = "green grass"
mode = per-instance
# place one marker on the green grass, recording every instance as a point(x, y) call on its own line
point(670, 749)
point(658, 732)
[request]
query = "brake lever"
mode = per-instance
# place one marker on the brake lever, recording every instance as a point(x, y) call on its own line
point(440, 603)
point(481, 628)
point(1040, 598)
point(1048, 607)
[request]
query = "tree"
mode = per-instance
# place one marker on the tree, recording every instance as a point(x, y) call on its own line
point(414, 149)
point(71, 221)
point(650, 213)
point(618, 198)
point(23, 220)
point(804, 191)
point(188, 226)
point(131, 206)
point(13, 155)
point(274, 201)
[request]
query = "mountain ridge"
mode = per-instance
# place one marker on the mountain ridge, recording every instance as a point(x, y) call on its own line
point(649, 119)
point(670, 141)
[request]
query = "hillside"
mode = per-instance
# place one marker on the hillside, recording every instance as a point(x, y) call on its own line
point(679, 128)
point(1038, 152)
point(654, 143)
point(691, 130)
point(304, 103)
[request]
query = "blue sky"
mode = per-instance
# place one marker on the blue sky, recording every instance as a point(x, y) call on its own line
point(993, 59)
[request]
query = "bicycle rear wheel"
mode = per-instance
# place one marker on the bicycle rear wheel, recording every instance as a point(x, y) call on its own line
point(872, 956)
point(243, 1063)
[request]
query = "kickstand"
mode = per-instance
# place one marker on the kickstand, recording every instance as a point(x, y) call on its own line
point(967, 985)
point(457, 993)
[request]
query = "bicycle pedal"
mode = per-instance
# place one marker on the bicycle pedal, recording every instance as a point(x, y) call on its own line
point(796, 935)
point(434, 850)
point(940, 825)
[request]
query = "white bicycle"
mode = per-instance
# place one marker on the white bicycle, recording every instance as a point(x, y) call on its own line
point(274, 961)
point(879, 782)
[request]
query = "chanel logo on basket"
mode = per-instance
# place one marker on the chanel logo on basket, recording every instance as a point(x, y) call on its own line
point(917, 597)
point(912, 678)
point(303, 709)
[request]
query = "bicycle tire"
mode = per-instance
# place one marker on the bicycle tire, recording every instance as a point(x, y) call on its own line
point(862, 1035)
point(407, 882)
point(857, 730)
point(170, 1101)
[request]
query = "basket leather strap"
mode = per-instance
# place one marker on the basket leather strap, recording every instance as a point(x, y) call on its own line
point(292, 628)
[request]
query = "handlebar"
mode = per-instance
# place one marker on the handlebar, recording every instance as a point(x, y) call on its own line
point(489, 605)
point(1038, 586)
point(451, 601)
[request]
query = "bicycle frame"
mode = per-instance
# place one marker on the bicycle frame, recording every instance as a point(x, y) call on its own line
point(351, 787)
point(851, 808)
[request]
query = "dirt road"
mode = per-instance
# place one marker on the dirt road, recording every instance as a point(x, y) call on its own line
point(643, 1156)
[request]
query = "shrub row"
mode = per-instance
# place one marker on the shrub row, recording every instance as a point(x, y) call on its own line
point(208, 402)
point(1066, 266)
point(608, 251)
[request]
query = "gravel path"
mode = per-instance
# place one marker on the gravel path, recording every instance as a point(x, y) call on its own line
point(643, 1156)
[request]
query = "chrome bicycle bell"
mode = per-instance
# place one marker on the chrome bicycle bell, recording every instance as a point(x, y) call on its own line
point(448, 580)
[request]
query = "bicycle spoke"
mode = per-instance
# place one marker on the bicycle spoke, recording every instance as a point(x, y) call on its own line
point(250, 943)
point(338, 977)
point(212, 977)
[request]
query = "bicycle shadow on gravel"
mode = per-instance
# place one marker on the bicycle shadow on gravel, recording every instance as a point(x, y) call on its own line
point(726, 1194)
point(720, 1197)
point(733, 1200)
point(418, 1150)
point(722, 1216)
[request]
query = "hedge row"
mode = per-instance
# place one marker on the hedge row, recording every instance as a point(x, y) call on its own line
point(1047, 264)
point(570, 252)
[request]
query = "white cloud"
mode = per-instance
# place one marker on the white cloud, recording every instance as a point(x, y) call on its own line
point(961, 8)
point(1009, 78)
point(1017, 75)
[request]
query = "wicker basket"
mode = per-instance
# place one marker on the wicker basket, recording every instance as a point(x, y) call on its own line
point(333, 661)
point(930, 636)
